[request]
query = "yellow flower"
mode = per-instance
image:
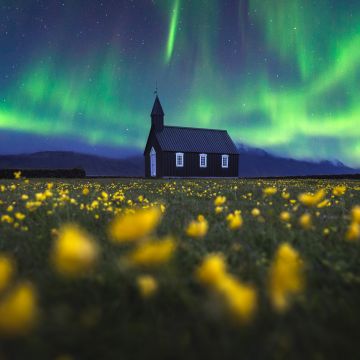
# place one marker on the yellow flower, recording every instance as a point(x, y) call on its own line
point(285, 216)
point(85, 191)
point(323, 203)
point(7, 270)
point(32, 205)
point(285, 195)
point(312, 199)
point(20, 216)
point(220, 200)
point(353, 232)
point(198, 228)
point(271, 190)
point(6, 218)
point(134, 226)
point(355, 214)
point(285, 277)
point(240, 299)
point(24, 197)
point(255, 212)
point(18, 310)
point(305, 221)
point(74, 251)
point(17, 174)
point(147, 285)
point(10, 208)
point(235, 220)
point(219, 209)
point(339, 190)
point(212, 269)
point(152, 253)
point(326, 231)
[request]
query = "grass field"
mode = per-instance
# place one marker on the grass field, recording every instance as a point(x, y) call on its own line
point(105, 301)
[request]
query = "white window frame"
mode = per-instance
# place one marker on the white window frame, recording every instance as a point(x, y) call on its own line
point(225, 161)
point(203, 164)
point(179, 159)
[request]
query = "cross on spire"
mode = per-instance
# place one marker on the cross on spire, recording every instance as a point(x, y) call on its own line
point(156, 89)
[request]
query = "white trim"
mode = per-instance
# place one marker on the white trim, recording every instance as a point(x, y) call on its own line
point(203, 160)
point(225, 161)
point(152, 162)
point(179, 159)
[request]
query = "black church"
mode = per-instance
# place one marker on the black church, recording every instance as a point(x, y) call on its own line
point(174, 151)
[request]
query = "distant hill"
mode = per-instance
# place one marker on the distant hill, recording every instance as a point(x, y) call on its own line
point(258, 163)
point(253, 163)
point(92, 164)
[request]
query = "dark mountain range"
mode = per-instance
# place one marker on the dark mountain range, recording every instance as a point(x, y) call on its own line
point(253, 163)
point(92, 164)
point(259, 163)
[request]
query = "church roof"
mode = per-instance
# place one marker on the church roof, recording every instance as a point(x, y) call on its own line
point(157, 108)
point(198, 140)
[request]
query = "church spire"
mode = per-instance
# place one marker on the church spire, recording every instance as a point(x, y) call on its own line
point(157, 115)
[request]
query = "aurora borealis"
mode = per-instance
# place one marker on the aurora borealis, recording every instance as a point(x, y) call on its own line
point(283, 75)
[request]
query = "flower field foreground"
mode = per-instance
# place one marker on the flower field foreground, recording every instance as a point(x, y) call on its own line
point(127, 269)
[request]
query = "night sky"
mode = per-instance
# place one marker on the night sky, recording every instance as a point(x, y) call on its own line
point(283, 75)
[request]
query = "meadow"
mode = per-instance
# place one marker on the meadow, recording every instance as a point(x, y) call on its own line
point(128, 269)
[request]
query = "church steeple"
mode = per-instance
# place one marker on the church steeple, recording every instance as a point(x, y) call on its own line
point(157, 115)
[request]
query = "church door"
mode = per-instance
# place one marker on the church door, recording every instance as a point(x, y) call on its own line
point(153, 162)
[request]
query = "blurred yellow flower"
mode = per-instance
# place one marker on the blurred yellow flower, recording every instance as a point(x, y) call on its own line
point(147, 285)
point(7, 269)
point(305, 221)
point(220, 200)
point(134, 226)
point(40, 197)
point(104, 195)
point(85, 191)
point(152, 253)
point(6, 218)
point(285, 216)
point(18, 310)
point(74, 252)
point(323, 203)
point(235, 220)
point(17, 174)
point(198, 228)
point(212, 269)
point(285, 277)
point(240, 299)
point(309, 199)
point(355, 214)
point(20, 216)
point(339, 190)
point(219, 209)
point(271, 190)
point(255, 212)
point(353, 232)
point(285, 195)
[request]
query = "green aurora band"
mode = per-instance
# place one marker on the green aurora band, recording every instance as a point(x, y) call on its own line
point(314, 113)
